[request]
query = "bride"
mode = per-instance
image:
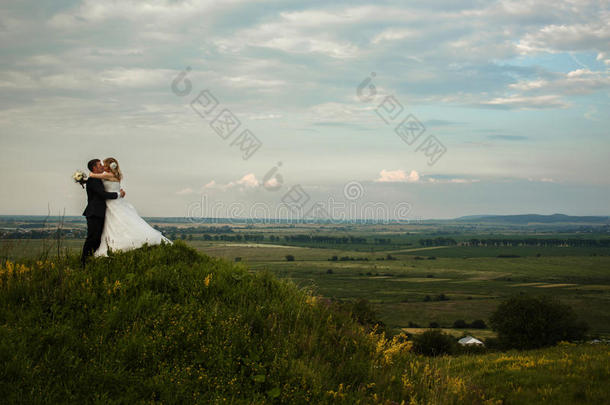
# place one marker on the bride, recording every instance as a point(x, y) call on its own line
point(123, 229)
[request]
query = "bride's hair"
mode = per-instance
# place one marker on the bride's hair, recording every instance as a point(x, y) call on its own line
point(114, 168)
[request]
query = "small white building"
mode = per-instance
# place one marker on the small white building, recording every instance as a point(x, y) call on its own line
point(469, 340)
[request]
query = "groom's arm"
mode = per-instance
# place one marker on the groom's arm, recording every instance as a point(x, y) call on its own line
point(98, 188)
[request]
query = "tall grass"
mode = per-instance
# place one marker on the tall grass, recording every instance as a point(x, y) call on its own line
point(166, 324)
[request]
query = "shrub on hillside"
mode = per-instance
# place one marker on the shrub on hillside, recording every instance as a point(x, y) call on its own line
point(492, 343)
point(434, 343)
point(460, 324)
point(478, 324)
point(363, 312)
point(526, 322)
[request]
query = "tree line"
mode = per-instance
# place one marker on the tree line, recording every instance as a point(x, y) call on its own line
point(304, 238)
point(43, 234)
point(550, 242)
point(516, 242)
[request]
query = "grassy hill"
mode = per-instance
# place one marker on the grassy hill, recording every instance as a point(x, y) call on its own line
point(165, 324)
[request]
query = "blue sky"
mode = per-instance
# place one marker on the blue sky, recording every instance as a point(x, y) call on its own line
point(514, 92)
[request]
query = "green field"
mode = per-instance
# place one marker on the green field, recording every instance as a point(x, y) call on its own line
point(405, 291)
point(164, 324)
point(474, 286)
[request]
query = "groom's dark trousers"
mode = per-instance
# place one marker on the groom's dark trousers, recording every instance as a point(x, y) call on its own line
point(96, 215)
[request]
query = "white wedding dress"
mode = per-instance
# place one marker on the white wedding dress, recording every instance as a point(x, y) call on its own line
point(124, 229)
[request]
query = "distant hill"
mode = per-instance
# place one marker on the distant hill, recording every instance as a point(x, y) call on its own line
point(534, 218)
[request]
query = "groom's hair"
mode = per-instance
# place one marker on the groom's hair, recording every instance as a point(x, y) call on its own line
point(92, 164)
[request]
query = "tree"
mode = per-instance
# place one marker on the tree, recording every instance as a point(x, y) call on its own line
point(460, 324)
point(527, 322)
point(478, 324)
point(434, 343)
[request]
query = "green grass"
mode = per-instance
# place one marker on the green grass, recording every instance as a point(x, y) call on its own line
point(17, 249)
point(475, 285)
point(549, 376)
point(465, 251)
point(165, 324)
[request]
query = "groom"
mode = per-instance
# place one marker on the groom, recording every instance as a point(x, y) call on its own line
point(96, 209)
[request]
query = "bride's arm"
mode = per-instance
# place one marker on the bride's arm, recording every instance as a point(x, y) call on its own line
point(104, 176)
point(98, 188)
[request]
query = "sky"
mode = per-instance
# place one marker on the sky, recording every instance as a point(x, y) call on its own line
point(404, 110)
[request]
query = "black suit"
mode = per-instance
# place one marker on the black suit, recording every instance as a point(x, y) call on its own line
point(96, 214)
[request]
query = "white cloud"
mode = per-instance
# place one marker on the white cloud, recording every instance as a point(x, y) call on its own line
point(603, 56)
point(341, 112)
point(211, 184)
point(568, 37)
point(529, 85)
point(248, 181)
point(121, 77)
point(272, 183)
point(185, 191)
point(580, 81)
point(591, 114)
point(254, 82)
point(397, 176)
point(86, 78)
point(269, 116)
point(99, 11)
point(17, 80)
point(298, 32)
point(527, 102)
point(394, 34)
point(289, 40)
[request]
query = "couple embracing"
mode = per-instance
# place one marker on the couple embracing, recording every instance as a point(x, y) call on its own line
point(112, 223)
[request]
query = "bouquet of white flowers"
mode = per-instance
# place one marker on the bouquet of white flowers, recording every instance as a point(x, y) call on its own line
point(80, 178)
